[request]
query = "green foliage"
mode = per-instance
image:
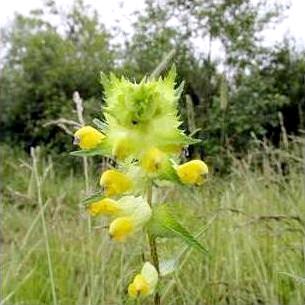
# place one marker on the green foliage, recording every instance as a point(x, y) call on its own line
point(254, 96)
point(99, 151)
point(255, 234)
point(254, 105)
point(44, 64)
point(43, 68)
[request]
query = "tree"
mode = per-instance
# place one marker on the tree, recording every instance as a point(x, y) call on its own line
point(43, 67)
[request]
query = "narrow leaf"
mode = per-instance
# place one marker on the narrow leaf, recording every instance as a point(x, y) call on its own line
point(98, 151)
point(93, 198)
point(100, 125)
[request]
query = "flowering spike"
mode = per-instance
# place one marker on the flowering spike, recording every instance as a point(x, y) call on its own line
point(141, 126)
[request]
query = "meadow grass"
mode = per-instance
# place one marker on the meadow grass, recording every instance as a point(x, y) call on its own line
point(252, 222)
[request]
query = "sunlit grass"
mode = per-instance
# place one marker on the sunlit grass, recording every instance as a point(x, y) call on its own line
point(255, 236)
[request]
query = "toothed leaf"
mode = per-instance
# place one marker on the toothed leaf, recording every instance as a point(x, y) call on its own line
point(164, 224)
point(98, 151)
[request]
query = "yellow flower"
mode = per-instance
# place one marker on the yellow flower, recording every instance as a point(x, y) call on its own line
point(144, 283)
point(115, 182)
point(192, 172)
point(121, 228)
point(138, 287)
point(152, 160)
point(134, 213)
point(122, 148)
point(88, 137)
point(105, 206)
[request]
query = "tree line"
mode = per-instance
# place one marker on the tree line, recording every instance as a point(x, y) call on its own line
point(245, 90)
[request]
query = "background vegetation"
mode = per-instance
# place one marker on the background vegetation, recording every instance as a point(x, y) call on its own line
point(248, 102)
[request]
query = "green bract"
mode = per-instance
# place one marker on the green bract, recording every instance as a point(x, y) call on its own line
point(143, 115)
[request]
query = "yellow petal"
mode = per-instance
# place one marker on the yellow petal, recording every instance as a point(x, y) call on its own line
point(122, 148)
point(105, 206)
point(88, 137)
point(192, 172)
point(139, 287)
point(121, 228)
point(152, 160)
point(115, 182)
point(132, 290)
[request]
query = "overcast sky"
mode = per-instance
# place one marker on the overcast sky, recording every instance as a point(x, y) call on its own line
point(112, 10)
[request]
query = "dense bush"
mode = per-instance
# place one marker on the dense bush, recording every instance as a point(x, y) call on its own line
point(44, 64)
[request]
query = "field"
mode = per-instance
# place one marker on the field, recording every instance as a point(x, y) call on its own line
point(252, 221)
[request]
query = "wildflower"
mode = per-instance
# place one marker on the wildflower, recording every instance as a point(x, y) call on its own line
point(105, 206)
point(145, 282)
point(115, 182)
point(152, 160)
point(88, 137)
point(121, 227)
point(134, 213)
point(192, 172)
point(122, 148)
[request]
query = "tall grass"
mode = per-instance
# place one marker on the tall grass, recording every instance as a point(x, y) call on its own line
point(253, 222)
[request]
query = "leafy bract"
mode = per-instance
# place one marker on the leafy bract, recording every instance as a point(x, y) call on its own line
point(164, 224)
point(142, 115)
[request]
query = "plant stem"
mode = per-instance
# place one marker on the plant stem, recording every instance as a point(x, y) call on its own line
point(153, 245)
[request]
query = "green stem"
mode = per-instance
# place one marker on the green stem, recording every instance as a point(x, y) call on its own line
point(153, 246)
